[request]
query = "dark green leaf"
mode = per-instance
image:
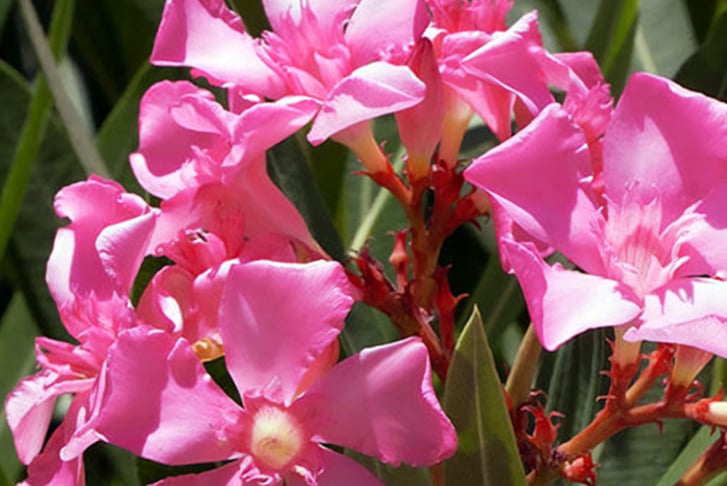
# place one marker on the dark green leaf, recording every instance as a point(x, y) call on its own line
point(644, 452)
point(35, 228)
point(17, 359)
point(289, 168)
point(487, 453)
point(571, 378)
point(701, 13)
point(611, 39)
point(704, 437)
point(112, 40)
point(706, 70)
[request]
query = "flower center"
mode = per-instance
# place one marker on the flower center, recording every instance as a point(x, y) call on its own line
point(644, 255)
point(277, 437)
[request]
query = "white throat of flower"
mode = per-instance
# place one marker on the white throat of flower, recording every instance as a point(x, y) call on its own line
point(640, 253)
point(277, 437)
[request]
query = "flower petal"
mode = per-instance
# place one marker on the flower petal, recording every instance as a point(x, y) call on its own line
point(28, 408)
point(690, 311)
point(564, 303)
point(339, 469)
point(162, 405)
point(536, 177)
point(280, 317)
point(379, 28)
point(227, 475)
point(208, 36)
point(657, 136)
point(376, 402)
point(370, 91)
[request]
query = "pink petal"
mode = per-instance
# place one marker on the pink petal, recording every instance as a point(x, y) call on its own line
point(704, 241)
point(265, 124)
point(48, 469)
point(376, 402)
point(378, 28)
point(164, 168)
point(510, 60)
point(691, 311)
point(564, 303)
point(657, 136)
point(536, 177)
point(370, 91)
point(339, 470)
point(208, 36)
point(420, 127)
point(227, 475)
point(162, 405)
point(280, 317)
point(83, 261)
point(284, 14)
point(28, 409)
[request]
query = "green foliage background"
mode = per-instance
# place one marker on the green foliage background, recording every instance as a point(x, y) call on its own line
point(102, 70)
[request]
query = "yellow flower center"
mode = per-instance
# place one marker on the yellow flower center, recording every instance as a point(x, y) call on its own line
point(277, 437)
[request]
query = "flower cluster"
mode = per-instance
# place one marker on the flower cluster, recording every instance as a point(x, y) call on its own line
point(632, 197)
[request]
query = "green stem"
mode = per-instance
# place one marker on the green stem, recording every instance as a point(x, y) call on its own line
point(521, 377)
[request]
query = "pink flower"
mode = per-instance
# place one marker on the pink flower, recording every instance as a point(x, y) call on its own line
point(283, 319)
point(344, 55)
point(90, 272)
point(648, 243)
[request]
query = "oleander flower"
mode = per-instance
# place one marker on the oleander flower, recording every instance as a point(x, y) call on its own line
point(647, 242)
point(293, 399)
point(90, 273)
point(346, 56)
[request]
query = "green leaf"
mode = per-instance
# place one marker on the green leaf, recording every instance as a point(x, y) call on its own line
point(112, 40)
point(289, 169)
point(643, 453)
point(17, 360)
point(35, 228)
point(35, 121)
point(81, 141)
point(701, 15)
point(611, 39)
point(392, 476)
point(706, 69)
point(704, 437)
point(487, 453)
point(571, 378)
point(664, 37)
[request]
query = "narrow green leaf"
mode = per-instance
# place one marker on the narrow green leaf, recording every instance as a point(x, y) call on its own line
point(664, 38)
point(5, 6)
point(487, 453)
point(28, 145)
point(706, 69)
point(366, 326)
point(35, 227)
point(644, 453)
point(127, 30)
point(392, 476)
point(81, 140)
point(704, 437)
point(571, 378)
point(701, 13)
point(611, 39)
point(289, 169)
point(17, 359)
